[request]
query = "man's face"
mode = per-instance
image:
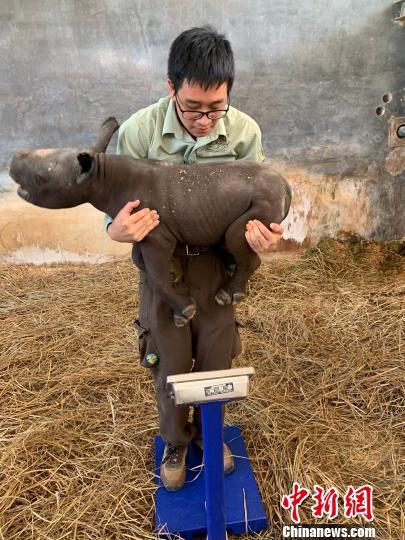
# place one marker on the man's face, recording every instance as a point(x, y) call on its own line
point(192, 97)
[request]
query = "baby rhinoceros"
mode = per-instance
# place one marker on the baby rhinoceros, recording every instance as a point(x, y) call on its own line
point(198, 205)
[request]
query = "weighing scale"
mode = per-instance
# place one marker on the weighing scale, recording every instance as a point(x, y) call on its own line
point(210, 504)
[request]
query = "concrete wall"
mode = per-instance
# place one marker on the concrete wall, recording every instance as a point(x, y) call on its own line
point(312, 73)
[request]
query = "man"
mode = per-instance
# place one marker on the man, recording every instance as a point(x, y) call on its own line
point(194, 124)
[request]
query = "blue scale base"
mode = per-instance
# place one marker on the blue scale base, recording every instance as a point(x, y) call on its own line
point(182, 512)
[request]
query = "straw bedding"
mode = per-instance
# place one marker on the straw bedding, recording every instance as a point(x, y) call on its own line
point(324, 334)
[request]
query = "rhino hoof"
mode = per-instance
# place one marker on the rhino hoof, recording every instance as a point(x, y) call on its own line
point(187, 314)
point(189, 311)
point(238, 297)
point(180, 321)
point(223, 298)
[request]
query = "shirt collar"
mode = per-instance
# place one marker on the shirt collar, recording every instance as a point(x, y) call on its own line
point(171, 125)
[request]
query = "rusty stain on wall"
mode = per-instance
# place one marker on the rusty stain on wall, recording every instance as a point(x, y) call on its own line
point(395, 161)
point(325, 206)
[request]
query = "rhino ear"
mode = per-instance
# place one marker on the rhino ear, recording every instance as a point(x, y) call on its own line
point(86, 162)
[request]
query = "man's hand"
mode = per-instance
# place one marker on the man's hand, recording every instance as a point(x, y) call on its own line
point(260, 238)
point(128, 227)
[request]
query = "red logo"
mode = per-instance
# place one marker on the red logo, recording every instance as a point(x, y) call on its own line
point(294, 500)
point(326, 502)
point(357, 502)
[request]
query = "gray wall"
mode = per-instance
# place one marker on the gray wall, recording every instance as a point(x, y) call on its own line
point(310, 72)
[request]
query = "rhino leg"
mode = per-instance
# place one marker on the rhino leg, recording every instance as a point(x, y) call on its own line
point(235, 290)
point(157, 251)
point(247, 261)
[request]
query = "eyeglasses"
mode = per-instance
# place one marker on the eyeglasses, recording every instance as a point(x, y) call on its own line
point(195, 115)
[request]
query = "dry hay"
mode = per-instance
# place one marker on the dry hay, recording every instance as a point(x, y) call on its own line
point(326, 406)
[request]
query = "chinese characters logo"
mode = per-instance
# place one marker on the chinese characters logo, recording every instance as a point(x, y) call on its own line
point(356, 502)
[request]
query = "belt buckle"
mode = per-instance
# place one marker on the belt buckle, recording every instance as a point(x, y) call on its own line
point(192, 250)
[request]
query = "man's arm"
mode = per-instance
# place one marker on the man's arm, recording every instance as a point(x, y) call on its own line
point(127, 226)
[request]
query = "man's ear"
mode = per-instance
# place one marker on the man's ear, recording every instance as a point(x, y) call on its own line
point(171, 88)
point(86, 162)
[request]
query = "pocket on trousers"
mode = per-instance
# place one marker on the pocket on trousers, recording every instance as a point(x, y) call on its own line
point(148, 352)
point(237, 343)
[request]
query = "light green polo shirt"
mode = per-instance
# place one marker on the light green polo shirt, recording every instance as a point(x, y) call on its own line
point(156, 133)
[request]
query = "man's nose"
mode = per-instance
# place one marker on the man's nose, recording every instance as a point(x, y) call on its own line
point(204, 121)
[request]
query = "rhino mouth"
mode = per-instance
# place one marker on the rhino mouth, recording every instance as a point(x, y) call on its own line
point(23, 193)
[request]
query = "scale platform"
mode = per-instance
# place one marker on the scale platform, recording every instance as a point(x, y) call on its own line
point(182, 513)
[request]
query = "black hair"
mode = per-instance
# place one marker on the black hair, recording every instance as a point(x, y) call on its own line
point(203, 56)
